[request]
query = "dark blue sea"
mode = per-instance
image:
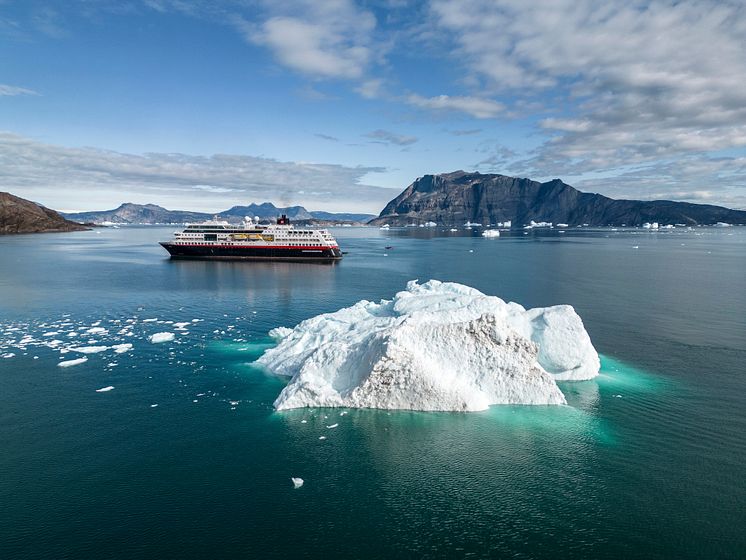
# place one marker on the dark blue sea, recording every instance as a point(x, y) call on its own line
point(185, 457)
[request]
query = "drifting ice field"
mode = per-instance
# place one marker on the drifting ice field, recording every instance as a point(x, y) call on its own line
point(435, 346)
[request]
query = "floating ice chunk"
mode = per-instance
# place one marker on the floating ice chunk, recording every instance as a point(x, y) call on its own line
point(322, 437)
point(304, 421)
point(89, 349)
point(8, 355)
point(149, 320)
point(51, 333)
point(122, 348)
point(490, 233)
point(297, 482)
point(96, 330)
point(161, 337)
point(435, 346)
point(153, 405)
point(105, 389)
point(332, 426)
point(68, 363)
point(181, 326)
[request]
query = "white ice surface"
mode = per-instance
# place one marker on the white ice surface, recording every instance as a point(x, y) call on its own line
point(89, 349)
point(490, 233)
point(68, 363)
point(435, 346)
point(162, 337)
point(122, 348)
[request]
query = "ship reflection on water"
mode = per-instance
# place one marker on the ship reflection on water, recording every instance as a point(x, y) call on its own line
point(260, 281)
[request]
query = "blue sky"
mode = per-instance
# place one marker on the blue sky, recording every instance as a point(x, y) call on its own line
point(339, 105)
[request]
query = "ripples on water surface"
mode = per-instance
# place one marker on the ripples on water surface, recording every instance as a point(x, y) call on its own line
point(647, 462)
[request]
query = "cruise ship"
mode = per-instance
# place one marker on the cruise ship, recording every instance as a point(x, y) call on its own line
point(253, 241)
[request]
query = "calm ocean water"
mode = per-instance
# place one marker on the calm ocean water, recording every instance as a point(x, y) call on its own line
point(647, 462)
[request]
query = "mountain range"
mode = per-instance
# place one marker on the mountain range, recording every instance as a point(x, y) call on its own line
point(459, 197)
point(129, 213)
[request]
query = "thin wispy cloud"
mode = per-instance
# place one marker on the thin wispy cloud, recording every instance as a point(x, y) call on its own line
point(11, 91)
point(467, 132)
point(326, 137)
point(388, 137)
point(477, 107)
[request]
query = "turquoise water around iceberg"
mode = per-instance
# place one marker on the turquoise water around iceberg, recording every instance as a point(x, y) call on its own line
point(646, 462)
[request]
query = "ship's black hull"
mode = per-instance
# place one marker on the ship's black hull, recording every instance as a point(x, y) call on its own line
point(228, 252)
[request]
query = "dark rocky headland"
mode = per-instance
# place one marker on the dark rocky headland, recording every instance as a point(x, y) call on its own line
point(460, 197)
point(18, 215)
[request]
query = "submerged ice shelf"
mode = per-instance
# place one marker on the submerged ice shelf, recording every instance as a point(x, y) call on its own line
point(435, 346)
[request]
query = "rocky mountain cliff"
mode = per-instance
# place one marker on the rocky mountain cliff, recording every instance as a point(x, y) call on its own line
point(18, 215)
point(458, 197)
point(129, 213)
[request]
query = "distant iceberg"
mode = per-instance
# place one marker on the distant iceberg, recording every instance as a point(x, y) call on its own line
point(490, 233)
point(435, 346)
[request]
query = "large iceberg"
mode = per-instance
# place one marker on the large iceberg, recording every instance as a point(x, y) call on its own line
point(435, 346)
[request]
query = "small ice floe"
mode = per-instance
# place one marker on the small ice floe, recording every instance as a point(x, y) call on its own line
point(471, 250)
point(69, 363)
point(112, 364)
point(122, 348)
point(490, 233)
point(51, 333)
point(149, 320)
point(322, 437)
point(161, 337)
point(153, 405)
point(635, 246)
point(343, 413)
point(332, 426)
point(8, 355)
point(180, 326)
point(105, 389)
point(89, 349)
point(96, 330)
point(304, 421)
point(618, 396)
point(297, 482)
point(453, 229)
